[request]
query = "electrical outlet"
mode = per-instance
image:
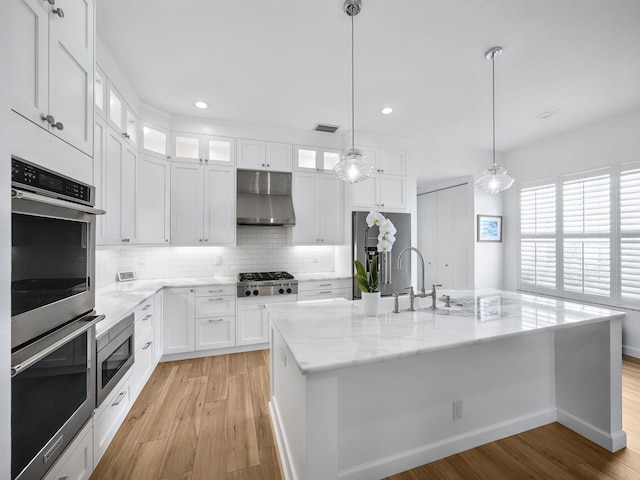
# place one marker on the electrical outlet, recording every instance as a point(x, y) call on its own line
point(457, 409)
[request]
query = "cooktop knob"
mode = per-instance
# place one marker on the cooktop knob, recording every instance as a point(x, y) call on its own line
point(281, 291)
point(256, 292)
point(247, 293)
point(288, 290)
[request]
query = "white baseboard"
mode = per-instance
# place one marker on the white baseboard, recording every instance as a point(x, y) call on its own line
point(612, 442)
point(216, 351)
point(631, 351)
point(281, 441)
point(421, 455)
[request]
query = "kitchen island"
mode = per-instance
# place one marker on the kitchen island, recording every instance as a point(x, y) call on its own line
point(356, 397)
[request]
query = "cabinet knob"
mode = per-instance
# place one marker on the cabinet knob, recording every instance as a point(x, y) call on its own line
point(51, 2)
point(59, 12)
point(48, 118)
point(268, 165)
point(200, 240)
point(166, 239)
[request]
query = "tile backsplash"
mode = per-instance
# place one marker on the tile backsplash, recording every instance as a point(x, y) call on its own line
point(257, 249)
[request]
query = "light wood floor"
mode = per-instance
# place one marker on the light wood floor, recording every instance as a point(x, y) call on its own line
point(208, 419)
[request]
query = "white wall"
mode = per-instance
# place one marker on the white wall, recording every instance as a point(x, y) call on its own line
point(5, 257)
point(608, 142)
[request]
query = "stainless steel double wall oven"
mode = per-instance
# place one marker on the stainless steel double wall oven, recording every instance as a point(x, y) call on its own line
point(53, 320)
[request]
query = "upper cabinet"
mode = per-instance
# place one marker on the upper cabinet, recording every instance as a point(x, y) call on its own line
point(205, 149)
point(100, 92)
point(386, 189)
point(120, 116)
point(261, 155)
point(51, 67)
point(154, 141)
point(316, 159)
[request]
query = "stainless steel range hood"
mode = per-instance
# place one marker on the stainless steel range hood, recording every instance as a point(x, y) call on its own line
point(264, 198)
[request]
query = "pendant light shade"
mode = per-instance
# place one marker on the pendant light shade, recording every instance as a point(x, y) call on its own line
point(494, 179)
point(353, 165)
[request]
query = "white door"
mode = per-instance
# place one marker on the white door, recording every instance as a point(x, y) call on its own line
point(178, 320)
point(99, 172)
point(279, 156)
point(71, 72)
point(215, 332)
point(128, 181)
point(29, 56)
point(305, 201)
point(393, 192)
point(365, 193)
point(251, 154)
point(186, 203)
point(331, 209)
point(219, 205)
point(153, 200)
point(251, 324)
point(112, 187)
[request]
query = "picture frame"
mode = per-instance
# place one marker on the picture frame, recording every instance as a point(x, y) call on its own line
point(489, 228)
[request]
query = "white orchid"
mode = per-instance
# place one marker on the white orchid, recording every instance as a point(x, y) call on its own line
point(375, 218)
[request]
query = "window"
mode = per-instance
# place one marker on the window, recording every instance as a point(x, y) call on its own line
point(580, 236)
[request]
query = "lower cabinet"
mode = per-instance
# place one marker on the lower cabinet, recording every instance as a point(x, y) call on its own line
point(321, 289)
point(110, 415)
point(201, 318)
point(76, 463)
point(252, 324)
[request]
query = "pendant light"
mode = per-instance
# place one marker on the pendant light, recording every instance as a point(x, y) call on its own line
point(494, 179)
point(353, 165)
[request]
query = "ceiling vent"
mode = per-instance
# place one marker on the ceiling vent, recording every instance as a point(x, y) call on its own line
point(321, 127)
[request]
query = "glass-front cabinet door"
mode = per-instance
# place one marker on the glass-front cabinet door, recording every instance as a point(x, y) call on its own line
point(195, 148)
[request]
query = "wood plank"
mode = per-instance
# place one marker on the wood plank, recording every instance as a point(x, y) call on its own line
point(238, 364)
point(180, 453)
point(211, 453)
point(242, 442)
point(218, 387)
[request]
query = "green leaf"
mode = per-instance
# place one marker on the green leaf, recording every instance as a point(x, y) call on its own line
point(362, 283)
point(373, 284)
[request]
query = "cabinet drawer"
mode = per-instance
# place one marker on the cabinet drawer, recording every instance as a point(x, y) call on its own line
point(216, 290)
point(215, 306)
point(316, 285)
point(143, 365)
point(76, 463)
point(215, 332)
point(322, 294)
point(110, 415)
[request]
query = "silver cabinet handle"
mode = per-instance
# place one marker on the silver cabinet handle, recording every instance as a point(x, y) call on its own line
point(51, 2)
point(326, 291)
point(216, 299)
point(119, 399)
point(50, 119)
point(147, 345)
point(213, 320)
point(215, 291)
point(58, 11)
point(326, 284)
point(64, 478)
point(147, 306)
point(147, 317)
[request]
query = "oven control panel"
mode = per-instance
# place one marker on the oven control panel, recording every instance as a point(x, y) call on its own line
point(40, 180)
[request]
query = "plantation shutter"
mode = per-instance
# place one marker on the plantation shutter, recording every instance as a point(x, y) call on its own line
point(537, 236)
point(586, 221)
point(630, 234)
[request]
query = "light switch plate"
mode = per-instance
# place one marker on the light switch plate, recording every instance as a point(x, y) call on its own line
point(126, 276)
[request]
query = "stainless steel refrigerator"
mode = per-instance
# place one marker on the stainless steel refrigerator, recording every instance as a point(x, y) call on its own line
point(365, 242)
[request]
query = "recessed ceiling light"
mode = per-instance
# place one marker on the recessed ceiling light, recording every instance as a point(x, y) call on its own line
point(549, 114)
point(386, 110)
point(201, 104)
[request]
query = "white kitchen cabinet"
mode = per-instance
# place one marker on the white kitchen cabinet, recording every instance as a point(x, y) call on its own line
point(318, 199)
point(323, 289)
point(261, 155)
point(99, 173)
point(178, 321)
point(51, 65)
point(109, 416)
point(446, 237)
point(392, 162)
point(157, 326)
point(153, 200)
point(99, 93)
point(202, 149)
point(120, 116)
point(119, 184)
point(76, 463)
point(143, 365)
point(381, 192)
point(252, 319)
point(203, 199)
point(215, 317)
point(154, 140)
point(316, 159)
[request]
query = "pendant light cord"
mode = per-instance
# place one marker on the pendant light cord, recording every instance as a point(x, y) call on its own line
point(353, 130)
point(493, 91)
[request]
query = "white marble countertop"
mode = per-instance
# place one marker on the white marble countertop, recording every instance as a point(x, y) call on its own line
point(331, 334)
point(117, 300)
point(309, 277)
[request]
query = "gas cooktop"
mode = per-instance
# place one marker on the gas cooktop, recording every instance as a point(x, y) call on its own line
point(266, 283)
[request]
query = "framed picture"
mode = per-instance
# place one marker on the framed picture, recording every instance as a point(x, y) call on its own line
point(489, 228)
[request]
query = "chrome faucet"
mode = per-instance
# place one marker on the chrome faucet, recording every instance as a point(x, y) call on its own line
point(422, 293)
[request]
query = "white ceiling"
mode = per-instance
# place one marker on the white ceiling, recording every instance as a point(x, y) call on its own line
point(286, 63)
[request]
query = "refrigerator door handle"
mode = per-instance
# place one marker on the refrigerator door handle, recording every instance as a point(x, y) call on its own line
point(387, 270)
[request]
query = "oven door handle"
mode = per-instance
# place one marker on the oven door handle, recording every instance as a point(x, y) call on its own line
point(23, 195)
point(22, 366)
